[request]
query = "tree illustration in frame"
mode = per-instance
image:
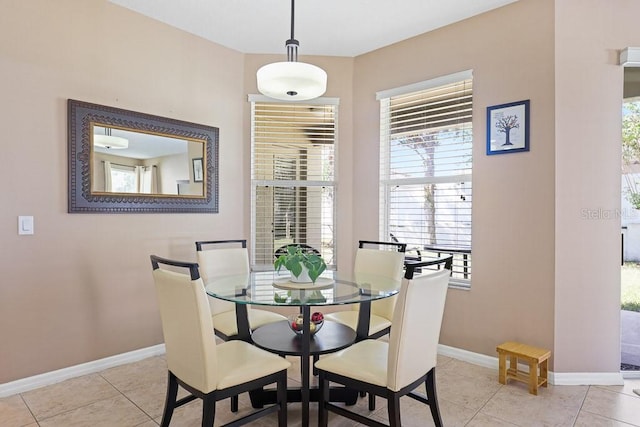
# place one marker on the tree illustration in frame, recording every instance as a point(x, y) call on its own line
point(508, 128)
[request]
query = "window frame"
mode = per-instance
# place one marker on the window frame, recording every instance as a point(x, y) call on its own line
point(462, 255)
point(296, 184)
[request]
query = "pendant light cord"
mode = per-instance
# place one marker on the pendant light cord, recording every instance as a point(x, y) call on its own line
point(292, 44)
point(292, 17)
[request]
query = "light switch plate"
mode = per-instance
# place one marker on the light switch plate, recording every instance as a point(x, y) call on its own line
point(25, 225)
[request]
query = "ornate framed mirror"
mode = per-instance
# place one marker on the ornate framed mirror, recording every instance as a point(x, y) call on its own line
point(123, 161)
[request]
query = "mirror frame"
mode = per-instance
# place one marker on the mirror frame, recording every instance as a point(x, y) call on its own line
point(81, 200)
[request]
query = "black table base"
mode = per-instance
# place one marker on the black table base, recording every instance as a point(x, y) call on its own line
point(280, 339)
point(259, 398)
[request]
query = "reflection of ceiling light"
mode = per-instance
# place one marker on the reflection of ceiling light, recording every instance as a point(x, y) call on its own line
point(109, 141)
point(292, 80)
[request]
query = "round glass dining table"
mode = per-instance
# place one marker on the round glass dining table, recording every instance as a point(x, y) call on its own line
point(272, 288)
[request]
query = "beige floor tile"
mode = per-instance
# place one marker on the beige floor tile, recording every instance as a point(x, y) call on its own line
point(149, 371)
point(116, 411)
point(149, 423)
point(191, 414)
point(417, 414)
point(67, 395)
point(464, 390)
point(149, 398)
point(586, 419)
point(442, 360)
point(483, 420)
point(618, 406)
point(553, 406)
point(468, 370)
point(14, 412)
point(627, 388)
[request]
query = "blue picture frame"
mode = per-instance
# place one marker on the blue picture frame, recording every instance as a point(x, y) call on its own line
point(508, 128)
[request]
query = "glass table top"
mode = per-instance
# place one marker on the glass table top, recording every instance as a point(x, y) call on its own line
point(275, 289)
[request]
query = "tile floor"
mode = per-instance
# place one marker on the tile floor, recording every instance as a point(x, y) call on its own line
point(133, 395)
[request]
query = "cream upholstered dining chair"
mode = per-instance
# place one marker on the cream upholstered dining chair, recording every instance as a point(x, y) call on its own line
point(375, 262)
point(208, 371)
point(226, 260)
point(396, 368)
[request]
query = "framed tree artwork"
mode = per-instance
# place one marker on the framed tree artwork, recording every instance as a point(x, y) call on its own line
point(508, 128)
point(198, 170)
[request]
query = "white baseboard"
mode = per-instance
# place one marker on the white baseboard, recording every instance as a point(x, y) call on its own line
point(469, 356)
point(588, 378)
point(555, 378)
point(48, 378)
point(629, 375)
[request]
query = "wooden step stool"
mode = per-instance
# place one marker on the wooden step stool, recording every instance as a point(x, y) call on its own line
point(535, 357)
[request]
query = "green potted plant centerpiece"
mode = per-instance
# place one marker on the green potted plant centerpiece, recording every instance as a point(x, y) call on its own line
point(304, 266)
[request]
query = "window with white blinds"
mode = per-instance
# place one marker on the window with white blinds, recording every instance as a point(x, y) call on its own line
point(425, 169)
point(292, 177)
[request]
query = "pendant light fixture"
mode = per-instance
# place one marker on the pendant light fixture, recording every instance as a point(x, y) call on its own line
point(106, 140)
point(292, 80)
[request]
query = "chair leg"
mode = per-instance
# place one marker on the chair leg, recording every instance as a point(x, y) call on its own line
point(234, 403)
point(208, 410)
point(372, 402)
point(282, 399)
point(170, 400)
point(432, 397)
point(316, 357)
point(323, 412)
point(393, 408)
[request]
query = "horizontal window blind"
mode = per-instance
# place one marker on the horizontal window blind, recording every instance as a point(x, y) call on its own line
point(426, 169)
point(293, 178)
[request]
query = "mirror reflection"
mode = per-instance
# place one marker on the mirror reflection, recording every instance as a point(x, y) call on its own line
point(130, 161)
point(123, 161)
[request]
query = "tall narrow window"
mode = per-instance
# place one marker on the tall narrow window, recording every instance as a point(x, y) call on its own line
point(425, 169)
point(292, 177)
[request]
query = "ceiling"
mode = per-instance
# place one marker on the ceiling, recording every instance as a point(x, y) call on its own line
point(323, 27)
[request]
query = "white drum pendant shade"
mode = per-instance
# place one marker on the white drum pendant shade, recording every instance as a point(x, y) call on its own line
point(108, 141)
point(291, 81)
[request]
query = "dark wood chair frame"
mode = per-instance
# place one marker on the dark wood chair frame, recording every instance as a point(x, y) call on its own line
point(400, 247)
point(412, 267)
point(393, 398)
point(209, 399)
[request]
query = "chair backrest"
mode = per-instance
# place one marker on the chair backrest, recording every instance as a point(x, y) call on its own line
point(388, 264)
point(395, 245)
point(413, 342)
point(221, 261)
point(186, 324)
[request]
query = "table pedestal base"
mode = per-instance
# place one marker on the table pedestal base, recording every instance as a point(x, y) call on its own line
point(259, 398)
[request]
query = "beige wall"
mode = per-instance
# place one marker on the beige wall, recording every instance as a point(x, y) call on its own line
point(80, 289)
point(511, 53)
point(589, 86)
